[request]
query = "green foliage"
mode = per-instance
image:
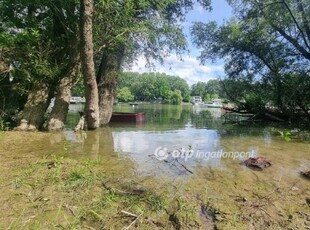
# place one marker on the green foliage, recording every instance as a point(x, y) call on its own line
point(149, 28)
point(79, 89)
point(208, 90)
point(174, 97)
point(125, 95)
point(287, 136)
point(152, 86)
point(4, 126)
point(36, 39)
point(266, 49)
point(254, 102)
point(198, 89)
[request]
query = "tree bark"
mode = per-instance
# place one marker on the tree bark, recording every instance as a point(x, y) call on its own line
point(32, 117)
point(59, 112)
point(88, 68)
point(107, 77)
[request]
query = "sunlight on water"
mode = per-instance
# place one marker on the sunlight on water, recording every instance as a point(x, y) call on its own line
point(180, 153)
point(198, 133)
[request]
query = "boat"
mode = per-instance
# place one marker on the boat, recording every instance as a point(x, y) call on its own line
point(127, 117)
point(197, 100)
point(216, 103)
point(77, 100)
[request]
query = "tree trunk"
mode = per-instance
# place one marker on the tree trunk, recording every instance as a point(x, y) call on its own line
point(88, 68)
point(32, 117)
point(59, 112)
point(106, 78)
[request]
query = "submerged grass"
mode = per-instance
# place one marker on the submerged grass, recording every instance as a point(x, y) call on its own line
point(53, 191)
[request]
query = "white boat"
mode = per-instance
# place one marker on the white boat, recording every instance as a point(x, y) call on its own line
point(77, 100)
point(197, 100)
point(215, 103)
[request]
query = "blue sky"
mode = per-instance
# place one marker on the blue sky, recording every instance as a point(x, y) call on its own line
point(190, 69)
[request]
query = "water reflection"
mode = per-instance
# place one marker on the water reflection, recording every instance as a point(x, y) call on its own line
point(166, 126)
point(142, 145)
point(174, 128)
point(91, 144)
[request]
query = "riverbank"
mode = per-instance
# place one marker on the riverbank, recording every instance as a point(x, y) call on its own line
point(45, 186)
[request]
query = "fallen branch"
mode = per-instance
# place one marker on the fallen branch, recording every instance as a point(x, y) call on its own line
point(184, 166)
point(236, 110)
point(129, 214)
point(273, 117)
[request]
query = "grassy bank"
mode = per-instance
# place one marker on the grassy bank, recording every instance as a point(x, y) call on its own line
point(43, 188)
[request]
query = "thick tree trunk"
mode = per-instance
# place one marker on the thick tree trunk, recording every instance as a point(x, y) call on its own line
point(106, 78)
point(59, 112)
point(32, 117)
point(88, 68)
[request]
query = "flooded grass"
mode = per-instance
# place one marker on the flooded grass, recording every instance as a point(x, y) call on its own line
point(85, 181)
point(54, 191)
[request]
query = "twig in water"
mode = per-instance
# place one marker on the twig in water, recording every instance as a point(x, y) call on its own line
point(184, 166)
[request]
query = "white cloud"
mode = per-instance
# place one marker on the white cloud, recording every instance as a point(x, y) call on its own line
point(189, 69)
point(199, 9)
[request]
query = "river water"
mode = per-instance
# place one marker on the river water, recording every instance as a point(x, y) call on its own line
point(197, 137)
point(187, 154)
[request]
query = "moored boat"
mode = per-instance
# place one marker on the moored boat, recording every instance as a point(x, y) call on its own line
point(77, 100)
point(216, 103)
point(127, 117)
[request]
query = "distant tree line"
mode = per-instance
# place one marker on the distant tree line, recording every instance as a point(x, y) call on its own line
point(165, 88)
point(208, 90)
point(151, 87)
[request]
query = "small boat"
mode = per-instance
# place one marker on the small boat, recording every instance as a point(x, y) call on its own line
point(197, 100)
point(133, 103)
point(127, 117)
point(216, 103)
point(77, 100)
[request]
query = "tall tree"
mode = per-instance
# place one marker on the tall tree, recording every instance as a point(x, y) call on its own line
point(134, 28)
point(265, 47)
point(88, 66)
point(41, 48)
point(66, 26)
point(39, 39)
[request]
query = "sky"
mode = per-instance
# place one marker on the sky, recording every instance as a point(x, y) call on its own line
point(190, 68)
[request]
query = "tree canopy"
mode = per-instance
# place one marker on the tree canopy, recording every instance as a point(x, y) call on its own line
point(266, 49)
point(208, 90)
point(40, 43)
point(154, 86)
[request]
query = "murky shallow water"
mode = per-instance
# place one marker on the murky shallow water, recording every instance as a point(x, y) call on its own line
point(199, 134)
point(126, 153)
